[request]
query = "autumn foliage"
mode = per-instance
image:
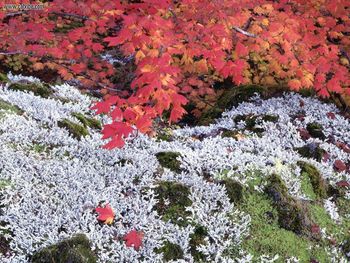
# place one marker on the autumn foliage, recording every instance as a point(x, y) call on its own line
point(181, 48)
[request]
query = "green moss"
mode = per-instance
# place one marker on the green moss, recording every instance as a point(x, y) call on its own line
point(173, 198)
point(3, 77)
point(319, 185)
point(169, 160)
point(165, 135)
point(86, 121)
point(270, 118)
point(338, 230)
point(170, 251)
point(74, 250)
point(4, 183)
point(251, 121)
point(4, 105)
point(292, 215)
point(76, 130)
point(311, 151)
point(197, 238)
point(306, 187)
point(267, 237)
point(42, 90)
point(315, 130)
point(234, 190)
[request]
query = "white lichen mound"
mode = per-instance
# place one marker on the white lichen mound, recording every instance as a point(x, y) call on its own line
point(52, 194)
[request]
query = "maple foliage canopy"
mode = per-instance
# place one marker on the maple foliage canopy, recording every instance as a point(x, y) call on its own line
point(181, 48)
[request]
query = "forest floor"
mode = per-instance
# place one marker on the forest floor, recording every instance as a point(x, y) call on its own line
point(266, 180)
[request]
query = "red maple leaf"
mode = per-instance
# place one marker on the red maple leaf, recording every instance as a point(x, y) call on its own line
point(134, 239)
point(106, 214)
point(339, 165)
point(343, 183)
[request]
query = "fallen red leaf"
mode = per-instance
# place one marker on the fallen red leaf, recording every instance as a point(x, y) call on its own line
point(304, 134)
point(134, 239)
point(339, 165)
point(331, 115)
point(343, 146)
point(343, 183)
point(106, 214)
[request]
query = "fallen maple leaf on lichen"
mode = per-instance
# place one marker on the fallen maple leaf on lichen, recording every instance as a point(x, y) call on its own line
point(134, 239)
point(106, 214)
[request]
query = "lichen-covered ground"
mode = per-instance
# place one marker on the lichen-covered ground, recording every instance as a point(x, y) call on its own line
point(266, 182)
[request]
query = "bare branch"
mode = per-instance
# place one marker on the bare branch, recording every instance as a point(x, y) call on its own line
point(240, 30)
point(67, 15)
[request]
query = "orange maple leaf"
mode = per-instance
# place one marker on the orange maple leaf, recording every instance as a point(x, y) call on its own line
point(106, 214)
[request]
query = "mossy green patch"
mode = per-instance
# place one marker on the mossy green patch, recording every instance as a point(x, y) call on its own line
point(229, 98)
point(315, 130)
point(4, 105)
point(267, 237)
point(165, 135)
point(311, 151)
point(3, 77)
point(38, 89)
point(169, 160)
point(87, 121)
point(170, 251)
point(306, 187)
point(75, 250)
point(173, 198)
point(234, 189)
point(197, 238)
point(292, 215)
point(76, 130)
point(252, 121)
point(319, 185)
point(338, 230)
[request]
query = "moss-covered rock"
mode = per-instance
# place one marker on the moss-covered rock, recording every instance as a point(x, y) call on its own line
point(319, 185)
point(170, 251)
point(315, 130)
point(38, 89)
point(311, 150)
point(87, 121)
point(76, 130)
point(169, 160)
point(74, 250)
point(234, 189)
point(173, 198)
point(197, 238)
point(292, 215)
